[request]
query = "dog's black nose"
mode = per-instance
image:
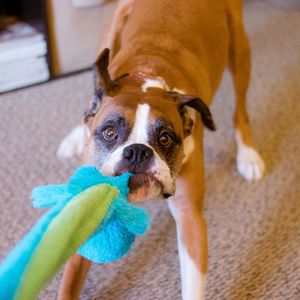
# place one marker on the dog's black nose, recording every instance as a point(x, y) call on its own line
point(137, 157)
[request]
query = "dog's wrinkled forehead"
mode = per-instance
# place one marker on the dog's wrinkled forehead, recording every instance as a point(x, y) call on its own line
point(128, 93)
point(139, 118)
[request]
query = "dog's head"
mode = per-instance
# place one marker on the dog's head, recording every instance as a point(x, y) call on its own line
point(138, 132)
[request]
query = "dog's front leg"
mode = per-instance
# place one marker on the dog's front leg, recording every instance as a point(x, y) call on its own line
point(73, 277)
point(186, 208)
point(192, 248)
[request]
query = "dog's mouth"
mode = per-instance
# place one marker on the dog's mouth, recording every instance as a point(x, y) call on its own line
point(143, 186)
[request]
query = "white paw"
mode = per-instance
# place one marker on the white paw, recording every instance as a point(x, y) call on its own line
point(72, 145)
point(249, 163)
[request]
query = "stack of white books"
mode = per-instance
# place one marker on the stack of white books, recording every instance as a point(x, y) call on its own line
point(23, 60)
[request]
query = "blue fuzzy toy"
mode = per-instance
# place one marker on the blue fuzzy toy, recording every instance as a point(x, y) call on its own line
point(90, 214)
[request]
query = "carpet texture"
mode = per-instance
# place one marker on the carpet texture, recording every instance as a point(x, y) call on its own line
point(254, 229)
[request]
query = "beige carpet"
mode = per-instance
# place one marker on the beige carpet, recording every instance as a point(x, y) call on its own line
point(254, 229)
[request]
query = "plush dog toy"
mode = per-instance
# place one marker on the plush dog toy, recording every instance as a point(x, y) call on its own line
point(90, 215)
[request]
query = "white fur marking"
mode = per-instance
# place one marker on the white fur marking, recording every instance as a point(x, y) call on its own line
point(249, 163)
point(162, 173)
point(72, 145)
point(159, 82)
point(140, 130)
point(192, 280)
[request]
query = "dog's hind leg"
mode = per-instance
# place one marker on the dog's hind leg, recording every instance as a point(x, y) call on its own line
point(249, 163)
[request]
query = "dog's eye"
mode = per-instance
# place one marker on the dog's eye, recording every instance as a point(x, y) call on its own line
point(165, 139)
point(110, 134)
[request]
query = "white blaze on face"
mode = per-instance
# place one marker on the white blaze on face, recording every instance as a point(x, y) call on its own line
point(139, 132)
point(139, 135)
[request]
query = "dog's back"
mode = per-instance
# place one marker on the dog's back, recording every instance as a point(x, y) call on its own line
point(192, 35)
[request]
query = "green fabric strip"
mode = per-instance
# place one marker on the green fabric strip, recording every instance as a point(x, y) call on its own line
point(66, 233)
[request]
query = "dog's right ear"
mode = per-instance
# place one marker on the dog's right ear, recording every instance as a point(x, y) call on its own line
point(93, 107)
point(103, 85)
point(102, 79)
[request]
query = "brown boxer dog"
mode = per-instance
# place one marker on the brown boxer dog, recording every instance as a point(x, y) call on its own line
point(150, 105)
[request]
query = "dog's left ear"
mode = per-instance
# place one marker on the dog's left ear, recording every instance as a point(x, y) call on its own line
point(196, 103)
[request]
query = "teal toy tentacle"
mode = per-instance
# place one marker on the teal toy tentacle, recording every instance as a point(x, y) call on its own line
point(13, 267)
point(49, 195)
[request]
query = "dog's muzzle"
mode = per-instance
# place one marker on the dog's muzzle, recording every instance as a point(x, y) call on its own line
point(137, 158)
